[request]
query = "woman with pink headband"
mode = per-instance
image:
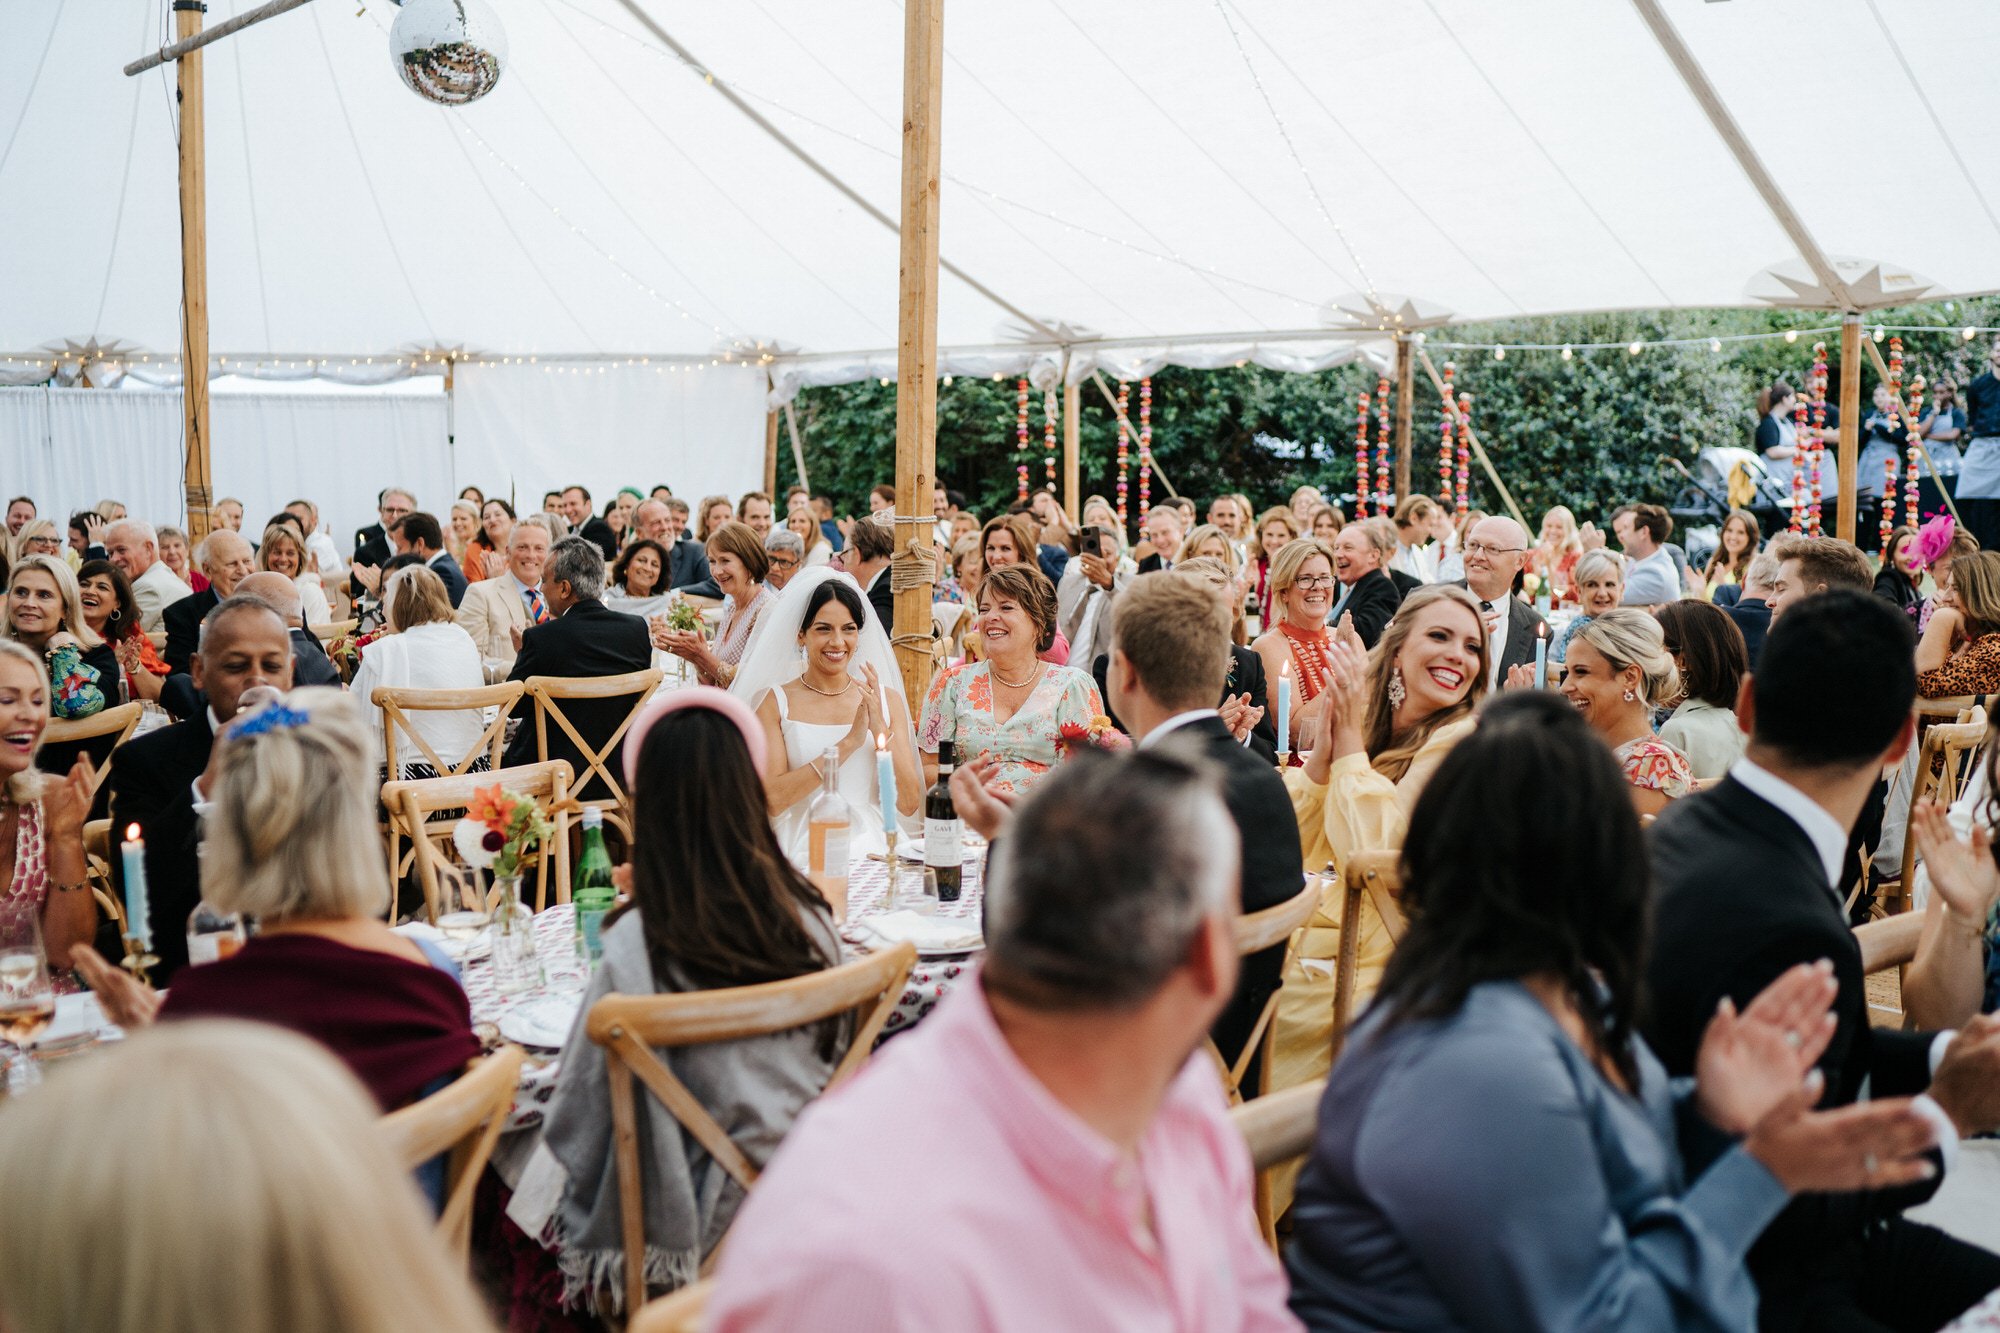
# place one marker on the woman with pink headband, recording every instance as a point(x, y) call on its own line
point(713, 903)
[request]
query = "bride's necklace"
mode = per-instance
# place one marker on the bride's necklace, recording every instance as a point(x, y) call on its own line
point(831, 694)
point(1016, 684)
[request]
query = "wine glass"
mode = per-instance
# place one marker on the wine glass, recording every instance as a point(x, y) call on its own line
point(27, 1005)
point(463, 912)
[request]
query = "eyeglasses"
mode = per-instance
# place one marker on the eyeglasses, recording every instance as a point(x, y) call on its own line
point(1313, 581)
point(1481, 548)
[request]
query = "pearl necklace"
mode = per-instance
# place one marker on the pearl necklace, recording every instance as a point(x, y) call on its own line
point(1016, 684)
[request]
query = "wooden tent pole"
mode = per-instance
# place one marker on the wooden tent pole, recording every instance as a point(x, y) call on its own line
point(194, 278)
point(771, 454)
point(1850, 423)
point(1405, 378)
point(1072, 429)
point(914, 568)
point(798, 446)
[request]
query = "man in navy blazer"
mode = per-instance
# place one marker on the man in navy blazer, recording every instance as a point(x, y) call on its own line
point(419, 534)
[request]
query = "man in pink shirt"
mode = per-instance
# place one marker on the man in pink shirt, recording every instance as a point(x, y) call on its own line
point(1051, 1149)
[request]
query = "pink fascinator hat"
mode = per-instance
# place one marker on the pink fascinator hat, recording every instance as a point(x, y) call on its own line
point(694, 696)
point(1932, 539)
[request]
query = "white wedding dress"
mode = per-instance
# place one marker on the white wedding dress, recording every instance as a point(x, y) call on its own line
point(772, 660)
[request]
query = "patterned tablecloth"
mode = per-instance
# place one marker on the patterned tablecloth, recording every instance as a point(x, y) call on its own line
point(555, 932)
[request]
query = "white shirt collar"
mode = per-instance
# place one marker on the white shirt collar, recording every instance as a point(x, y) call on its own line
point(1498, 647)
point(1828, 838)
point(521, 590)
point(434, 559)
point(875, 578)
point(1175, 723)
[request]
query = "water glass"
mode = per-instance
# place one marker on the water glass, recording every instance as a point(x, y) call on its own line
point(915, 889)
point(27, 1007)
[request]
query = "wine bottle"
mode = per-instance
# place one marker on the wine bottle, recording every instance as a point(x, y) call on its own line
point(591, 891)
point(827, 823)
point(944, 832)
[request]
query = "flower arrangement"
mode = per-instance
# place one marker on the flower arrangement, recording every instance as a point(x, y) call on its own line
point(683, 617)
point(346, 650)
point(1099, 735)
point(1531, 584)
point(499, 829)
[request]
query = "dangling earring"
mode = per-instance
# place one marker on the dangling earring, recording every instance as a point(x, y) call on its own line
point(1396, 692)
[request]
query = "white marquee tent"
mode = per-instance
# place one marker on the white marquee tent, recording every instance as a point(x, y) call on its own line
point(610, 248)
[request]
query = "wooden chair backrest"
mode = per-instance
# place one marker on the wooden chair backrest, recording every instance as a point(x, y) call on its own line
point(1889, 942)
point(680, 1312)
point(1377, 877)
point(466, 1118)
point(335, 630)
point(1257, 931)
point(158, 638)
point(1277, 1128)
point(412, 802)
point(630, 1027)
point(1943, 760)
point(97, 871)
point(397, 703)
point(120, 722)
point(550, 692)
point(1957, 707)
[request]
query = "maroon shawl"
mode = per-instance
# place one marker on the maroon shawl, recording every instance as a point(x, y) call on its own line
point(400, 1026)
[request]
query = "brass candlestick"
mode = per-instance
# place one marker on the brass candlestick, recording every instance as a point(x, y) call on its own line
point(138, 960)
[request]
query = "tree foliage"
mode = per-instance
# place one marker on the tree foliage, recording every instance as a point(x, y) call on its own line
point(1586, 432)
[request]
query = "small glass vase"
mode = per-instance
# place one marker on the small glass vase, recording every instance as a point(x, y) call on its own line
point(516, 968)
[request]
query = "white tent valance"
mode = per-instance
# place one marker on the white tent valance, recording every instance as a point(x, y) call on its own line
point(1154, 171)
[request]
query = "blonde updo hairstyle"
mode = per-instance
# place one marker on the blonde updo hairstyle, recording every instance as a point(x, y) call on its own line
point(1628, 637)
point(292, 835)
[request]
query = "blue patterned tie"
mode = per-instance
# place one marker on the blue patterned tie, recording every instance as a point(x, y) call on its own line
point(537, 612)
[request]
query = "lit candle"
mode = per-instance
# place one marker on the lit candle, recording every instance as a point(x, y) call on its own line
point(1285, 709)
point(1542, 655)
point(133, 854)
point(885, 782)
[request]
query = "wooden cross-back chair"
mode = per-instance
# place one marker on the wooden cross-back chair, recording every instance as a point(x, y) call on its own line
point(630, 1027)
point(1277, 1129)
point(415, 806)
point(97, 871)
point(465, 1117)
point(1255, 932)
point(118, 723)
point(1944, 761)
point(551, 692)
point(1888, 945)
point(682, 1311)
point(1377, 877)
point(337, 629)
point(398, 703)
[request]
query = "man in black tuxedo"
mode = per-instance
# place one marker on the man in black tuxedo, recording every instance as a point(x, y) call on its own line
point(587, 525)
point(1748, 885)
point(583, 638)
point(1168, 640)
point(1494, 551)
point(243, 644)
point(419, 534)
point(867, 560)
point(227, 560)
point(1368, 597)
point(371, 544)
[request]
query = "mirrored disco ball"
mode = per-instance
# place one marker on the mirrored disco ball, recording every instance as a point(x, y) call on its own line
point(448, 51)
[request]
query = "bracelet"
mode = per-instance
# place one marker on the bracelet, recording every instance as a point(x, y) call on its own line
point(77, 887)
point(1974, 932)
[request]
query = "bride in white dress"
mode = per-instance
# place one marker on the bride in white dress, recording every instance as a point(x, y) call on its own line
point(820, 673)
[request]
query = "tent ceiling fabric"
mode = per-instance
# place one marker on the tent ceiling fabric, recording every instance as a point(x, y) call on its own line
point(1113, 165)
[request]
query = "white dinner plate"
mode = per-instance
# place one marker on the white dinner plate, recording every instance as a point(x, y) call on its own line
point(542, 1022)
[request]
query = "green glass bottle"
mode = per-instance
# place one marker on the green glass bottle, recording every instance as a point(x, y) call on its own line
point(591, 889)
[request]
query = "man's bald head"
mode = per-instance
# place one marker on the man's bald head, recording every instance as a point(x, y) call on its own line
point(227, 560)
point(277, 592)
point(651, 521)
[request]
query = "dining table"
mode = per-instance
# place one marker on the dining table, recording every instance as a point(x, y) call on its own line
point(541, 1017)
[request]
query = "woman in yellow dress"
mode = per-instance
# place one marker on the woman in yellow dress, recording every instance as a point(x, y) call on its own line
point(1390, 718)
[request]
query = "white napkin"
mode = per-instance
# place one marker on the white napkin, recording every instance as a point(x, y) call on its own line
point(931, 934)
